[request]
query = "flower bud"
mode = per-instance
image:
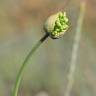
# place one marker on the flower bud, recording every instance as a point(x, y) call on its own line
point(56, 25)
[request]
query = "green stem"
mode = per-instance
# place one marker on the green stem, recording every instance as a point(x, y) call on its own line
point(19, 76)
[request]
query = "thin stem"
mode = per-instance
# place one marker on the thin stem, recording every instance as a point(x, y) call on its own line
point(75, 49)
point(19, 76)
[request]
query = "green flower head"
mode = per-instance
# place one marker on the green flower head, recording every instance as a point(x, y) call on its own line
point(56, 25)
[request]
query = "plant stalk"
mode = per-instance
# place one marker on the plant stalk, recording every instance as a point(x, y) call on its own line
point(20, 73)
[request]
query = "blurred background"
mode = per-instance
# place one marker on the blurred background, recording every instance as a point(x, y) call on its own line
point(21, 26)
